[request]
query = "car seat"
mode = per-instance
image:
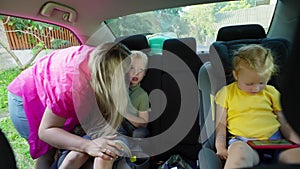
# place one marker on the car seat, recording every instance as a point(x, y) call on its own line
point(235, 32)
point(135, 42)
point(179, 82)
point(162, 82)
point(217, 72)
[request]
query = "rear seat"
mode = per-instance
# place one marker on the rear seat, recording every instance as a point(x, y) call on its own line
point(218, 72)
point(174, 70)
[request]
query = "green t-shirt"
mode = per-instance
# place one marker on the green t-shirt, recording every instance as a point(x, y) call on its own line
point(139, 98)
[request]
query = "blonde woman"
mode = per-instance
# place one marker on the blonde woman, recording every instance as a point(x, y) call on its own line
point(249, 108)
point(47, 100)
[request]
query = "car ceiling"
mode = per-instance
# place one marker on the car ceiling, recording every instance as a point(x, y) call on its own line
point(85, 13)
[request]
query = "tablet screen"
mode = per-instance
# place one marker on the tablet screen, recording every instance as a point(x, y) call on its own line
point(272, 144)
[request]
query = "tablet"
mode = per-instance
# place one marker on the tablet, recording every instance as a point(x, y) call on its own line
point(272, 144)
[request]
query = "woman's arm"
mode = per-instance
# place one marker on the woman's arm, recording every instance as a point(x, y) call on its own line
point(221, 130)
point(286, 130)
point(51, 132)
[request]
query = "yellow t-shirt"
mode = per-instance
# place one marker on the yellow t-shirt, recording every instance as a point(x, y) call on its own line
point(250, 115)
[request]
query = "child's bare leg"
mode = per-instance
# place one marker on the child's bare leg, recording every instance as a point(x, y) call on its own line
point(74, 159)
point(240, 155)
point(99, 163)
point(290, 156)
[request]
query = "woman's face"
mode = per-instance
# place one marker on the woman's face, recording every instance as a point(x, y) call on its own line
point(137, 71)
point(250, 81)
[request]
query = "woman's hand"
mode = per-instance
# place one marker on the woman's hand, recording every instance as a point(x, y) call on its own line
point(104, 147)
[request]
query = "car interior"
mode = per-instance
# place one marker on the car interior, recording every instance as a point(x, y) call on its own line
point(182, 76)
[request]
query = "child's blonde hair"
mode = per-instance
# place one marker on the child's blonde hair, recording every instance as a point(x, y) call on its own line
point(106, 65)
point(256, 57)
point(135, 54)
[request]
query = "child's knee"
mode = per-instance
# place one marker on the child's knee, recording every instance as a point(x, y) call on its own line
point(290, 156)
point(98, 161)
point(243, 152)
point(75, 156)
point(238, 147)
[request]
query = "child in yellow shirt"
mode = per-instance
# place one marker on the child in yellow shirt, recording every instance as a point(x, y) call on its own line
point(249, 108)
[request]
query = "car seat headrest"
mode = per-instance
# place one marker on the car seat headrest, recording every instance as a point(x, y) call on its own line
point(185, 49)
point(176, 45)
point(249, 31)
point(135, 42)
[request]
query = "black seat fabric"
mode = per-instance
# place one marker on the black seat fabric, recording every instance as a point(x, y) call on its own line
point(291, 92)
point(180, 68)
point(135, 42)
point(249, 31)
point(185, 49)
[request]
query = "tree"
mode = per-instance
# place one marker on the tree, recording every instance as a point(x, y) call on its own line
point(131, 24)
point(201, 20)
point(233, 5)
point(26, 26)
point(167, 20)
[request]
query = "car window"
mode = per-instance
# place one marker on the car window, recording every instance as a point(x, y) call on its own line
point(28, 40)
point(198, 21)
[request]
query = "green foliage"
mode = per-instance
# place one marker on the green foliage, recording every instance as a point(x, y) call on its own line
point(197, 21)
point(37, 48)
point(6, 77)
point(234, 5)
point(123, 25)
point(57, 43)
point(17, 143)
point(20, 25)
point(27, 24)
point(167, 20)
point(170, 20)
point(201, 20)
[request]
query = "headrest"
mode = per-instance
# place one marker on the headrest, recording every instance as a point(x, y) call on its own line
point(249, 31)
point(135, 42)
point(179, 45)
point(185, 49)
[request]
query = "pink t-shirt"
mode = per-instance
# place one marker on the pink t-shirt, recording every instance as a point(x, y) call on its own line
point(49, 83)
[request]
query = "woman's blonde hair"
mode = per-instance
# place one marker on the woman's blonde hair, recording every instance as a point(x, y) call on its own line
point(257, 58)
point(107, 65)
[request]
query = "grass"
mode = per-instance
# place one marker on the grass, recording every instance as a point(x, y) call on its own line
point(6, 76)
point(18, 144)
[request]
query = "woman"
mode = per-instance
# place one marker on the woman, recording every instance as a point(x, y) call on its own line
point(68, 86)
